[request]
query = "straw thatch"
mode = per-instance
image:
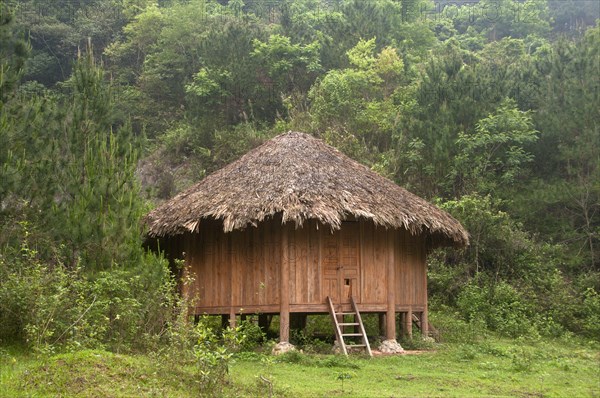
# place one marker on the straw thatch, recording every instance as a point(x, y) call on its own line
point(299, 178)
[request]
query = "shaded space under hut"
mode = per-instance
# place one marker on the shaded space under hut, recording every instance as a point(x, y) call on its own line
point(295, 227)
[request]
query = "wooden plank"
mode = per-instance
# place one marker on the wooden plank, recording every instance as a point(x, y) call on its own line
point(422, 297)
point(234, 273)
point(263, 233)
point(248, 297)
point(264, 248)
point(362, 260)
point(414, 274)
point(207, 279)
point(380, 266)
point(305, 277)
point(301, 274)
point(284, 312)
point(313, 264)
point(216, 283)
point(262, 269)
point(320, 271)
point(206, 268)
point(375, 285)
point(406, 284)
point(402, 270)
point(350, 261)
point(331, 264)
point(276, 274)
point(391, 305)
point(224, 270)
point(295, 284)
point(273, 275)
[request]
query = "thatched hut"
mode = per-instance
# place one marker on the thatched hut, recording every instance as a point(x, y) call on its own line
point(295, 221)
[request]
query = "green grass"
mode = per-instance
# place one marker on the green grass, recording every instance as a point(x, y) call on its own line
point(89, 374)
point(497, 368)
point(494, 368)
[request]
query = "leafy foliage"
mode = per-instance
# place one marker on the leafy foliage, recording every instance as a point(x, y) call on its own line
point(52, 306)
point(493, 157)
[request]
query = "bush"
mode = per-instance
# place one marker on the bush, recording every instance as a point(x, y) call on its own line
point(252, 335)
point(591, 313)
point(202, 347)
point(311, 345)
point(454, 329)
point(499, 305)
point(50, 306)
point(39, 302)
point(507, 279)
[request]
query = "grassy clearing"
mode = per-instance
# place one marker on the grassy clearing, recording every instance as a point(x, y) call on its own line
point(493, 368)
point(497, 368)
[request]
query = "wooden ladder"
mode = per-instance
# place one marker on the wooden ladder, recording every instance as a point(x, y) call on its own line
point(340, 333)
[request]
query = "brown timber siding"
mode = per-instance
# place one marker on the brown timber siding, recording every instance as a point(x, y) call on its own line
point(241, 269)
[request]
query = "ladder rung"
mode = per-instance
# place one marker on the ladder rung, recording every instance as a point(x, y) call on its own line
point(345, 313)
point(351, 334)
point(348, 323)
point(355, 345)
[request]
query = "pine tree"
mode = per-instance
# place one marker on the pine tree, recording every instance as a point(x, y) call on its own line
point(96, 202)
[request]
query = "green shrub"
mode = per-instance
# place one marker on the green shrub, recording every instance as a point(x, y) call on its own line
point(39, 302)
point(202, 347)
point(252, 334)
point(311, 345)
point(213, 357)
point(454, 329)
point(51, 306)
point(591, 313)
point(499, 305)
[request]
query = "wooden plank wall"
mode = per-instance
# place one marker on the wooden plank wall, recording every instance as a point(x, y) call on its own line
point(239, 268)
point(374, 262)
point(305, 253)
point(411, 270)
point(242, 268)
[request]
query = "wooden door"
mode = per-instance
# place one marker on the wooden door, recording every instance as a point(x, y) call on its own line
point(341, 265)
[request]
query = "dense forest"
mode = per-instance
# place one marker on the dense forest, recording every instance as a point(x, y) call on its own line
point(490, 109)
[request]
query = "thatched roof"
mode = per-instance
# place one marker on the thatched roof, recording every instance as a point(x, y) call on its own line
point(298, 177)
